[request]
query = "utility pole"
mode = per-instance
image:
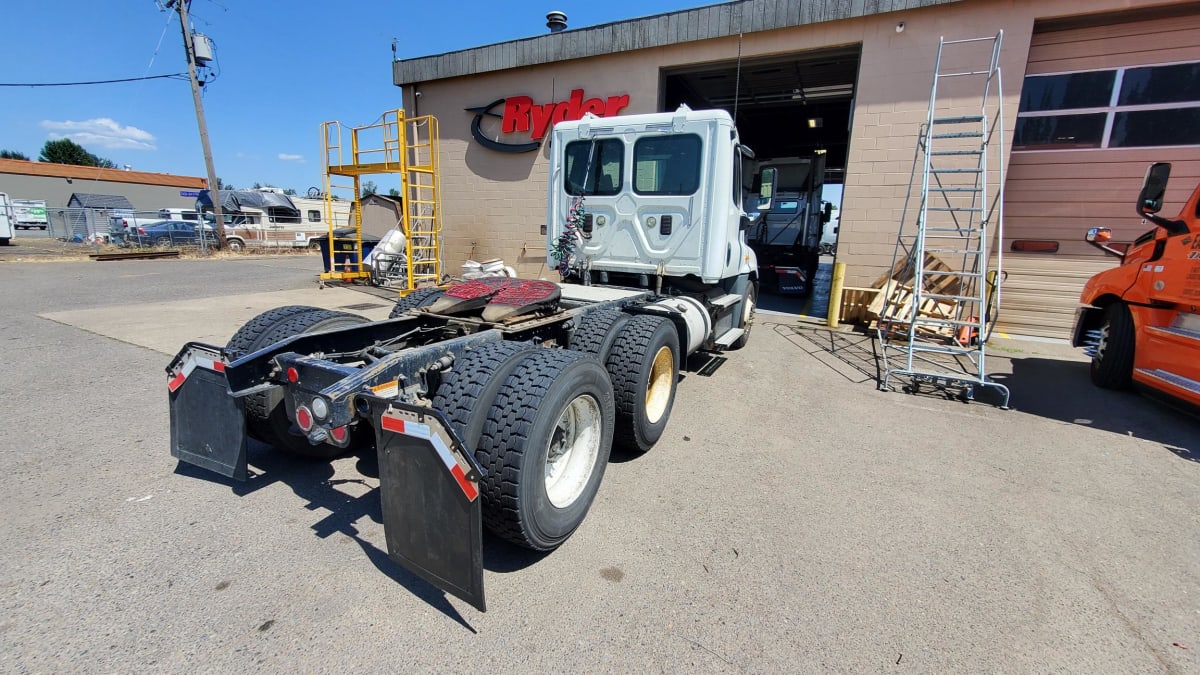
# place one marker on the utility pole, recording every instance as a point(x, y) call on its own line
point(213, 189)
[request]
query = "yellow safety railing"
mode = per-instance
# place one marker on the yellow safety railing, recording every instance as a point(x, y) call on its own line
point(399, 146)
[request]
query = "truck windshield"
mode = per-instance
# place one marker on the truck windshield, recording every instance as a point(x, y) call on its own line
point(594, 167)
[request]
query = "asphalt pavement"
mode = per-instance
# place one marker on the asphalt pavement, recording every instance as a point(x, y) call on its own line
point(792, 519)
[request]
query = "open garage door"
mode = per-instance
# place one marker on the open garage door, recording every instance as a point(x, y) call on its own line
point(794, 111)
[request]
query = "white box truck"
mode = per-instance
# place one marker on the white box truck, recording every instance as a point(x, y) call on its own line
point(29, 214)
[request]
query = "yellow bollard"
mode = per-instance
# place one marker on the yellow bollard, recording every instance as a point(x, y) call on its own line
point(835, 294)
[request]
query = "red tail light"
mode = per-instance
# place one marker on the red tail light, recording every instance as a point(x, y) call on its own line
point(141, 230)
point(304, 419)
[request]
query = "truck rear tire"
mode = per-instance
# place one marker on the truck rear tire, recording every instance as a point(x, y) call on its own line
point(251, 332)
point(1112, 366)
point(422, 297)
point(468, 389)
point(267, 418)
point(644, 368)
point(545, 445)
point(597, 332)
point(235, 245)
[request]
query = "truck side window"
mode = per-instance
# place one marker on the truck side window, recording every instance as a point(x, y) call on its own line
point(667, 165)
point(602, 175)
point(314, 216)
point(737, 179)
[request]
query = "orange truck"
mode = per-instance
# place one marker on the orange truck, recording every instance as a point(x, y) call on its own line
point(1139, 322)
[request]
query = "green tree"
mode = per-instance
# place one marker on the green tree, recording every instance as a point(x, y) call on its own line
point(369, 188)
point(289, 192)
point(13, 154)
point(257, 185)
point(393, 192)
point(222, 185)
point(67, 151)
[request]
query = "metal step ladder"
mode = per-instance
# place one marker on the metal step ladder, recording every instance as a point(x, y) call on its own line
point(944, 289)
point(396, 146)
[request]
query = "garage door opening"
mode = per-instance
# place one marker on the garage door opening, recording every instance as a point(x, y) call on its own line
point(794, 111)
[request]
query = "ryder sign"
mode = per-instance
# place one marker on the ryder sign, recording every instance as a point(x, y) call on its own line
point(522, 115)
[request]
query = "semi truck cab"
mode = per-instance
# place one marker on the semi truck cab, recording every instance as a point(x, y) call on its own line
point(1139, 321)
point(661, 195)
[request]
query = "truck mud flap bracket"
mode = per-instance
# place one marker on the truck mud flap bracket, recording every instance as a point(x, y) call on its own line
point(429, 487)
point(208, 426)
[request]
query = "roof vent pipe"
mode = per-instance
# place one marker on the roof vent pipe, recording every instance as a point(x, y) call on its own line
point(556, 22)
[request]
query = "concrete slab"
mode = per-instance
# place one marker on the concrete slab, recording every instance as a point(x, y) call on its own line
point(165, 326)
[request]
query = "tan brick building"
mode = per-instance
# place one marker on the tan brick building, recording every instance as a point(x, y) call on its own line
point(1094, 91)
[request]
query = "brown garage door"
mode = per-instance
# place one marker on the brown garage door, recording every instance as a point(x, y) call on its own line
point(1098, 105)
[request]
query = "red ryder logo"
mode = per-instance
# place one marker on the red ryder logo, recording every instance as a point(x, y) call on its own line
point(522, 115)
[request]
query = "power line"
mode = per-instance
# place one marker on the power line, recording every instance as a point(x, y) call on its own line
point(172, 76)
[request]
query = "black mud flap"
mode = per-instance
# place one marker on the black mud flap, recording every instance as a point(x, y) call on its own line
point(208, 426)
point(429, 485)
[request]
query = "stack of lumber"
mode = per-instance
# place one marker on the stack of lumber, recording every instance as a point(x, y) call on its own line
point(893, 307)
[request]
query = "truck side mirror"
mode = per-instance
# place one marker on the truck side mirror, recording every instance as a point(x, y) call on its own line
point(1153, 188)
point(766, 189)
point(827, 213)
point(1099, 237)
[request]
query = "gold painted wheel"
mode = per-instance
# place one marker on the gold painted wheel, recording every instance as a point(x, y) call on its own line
point(660, 384)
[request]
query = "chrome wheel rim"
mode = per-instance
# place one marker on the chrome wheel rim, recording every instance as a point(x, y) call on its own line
point(573, 450)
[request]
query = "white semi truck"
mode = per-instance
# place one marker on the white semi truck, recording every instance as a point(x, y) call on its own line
point(497, 401)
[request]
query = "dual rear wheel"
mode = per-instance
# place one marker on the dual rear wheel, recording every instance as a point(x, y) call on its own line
point(540, 423)
point(267, 417)
point(543, 422)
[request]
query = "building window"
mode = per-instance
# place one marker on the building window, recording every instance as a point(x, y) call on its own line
point(595, 167)
point(1135, 107)
point(667, 165)
point(314, 216)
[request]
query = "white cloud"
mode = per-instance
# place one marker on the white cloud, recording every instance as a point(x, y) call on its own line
point(102, 132)
point(288, 157)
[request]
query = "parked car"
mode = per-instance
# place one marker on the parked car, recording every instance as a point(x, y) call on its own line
point(171, 233)
point(185, 214)
point(125, 223)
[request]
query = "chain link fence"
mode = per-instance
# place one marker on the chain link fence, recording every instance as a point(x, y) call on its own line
point(127, 229)
point(111, 229)
point(80, 226)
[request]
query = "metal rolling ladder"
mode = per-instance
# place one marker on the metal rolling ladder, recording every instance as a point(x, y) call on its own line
point(396, 145)
point(937, 329)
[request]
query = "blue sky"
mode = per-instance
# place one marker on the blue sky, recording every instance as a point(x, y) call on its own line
point(285, 67)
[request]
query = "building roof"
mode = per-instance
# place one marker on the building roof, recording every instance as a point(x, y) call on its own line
point(51, 170)
point(84, 200)
point(702, 23)
point(386, 199)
